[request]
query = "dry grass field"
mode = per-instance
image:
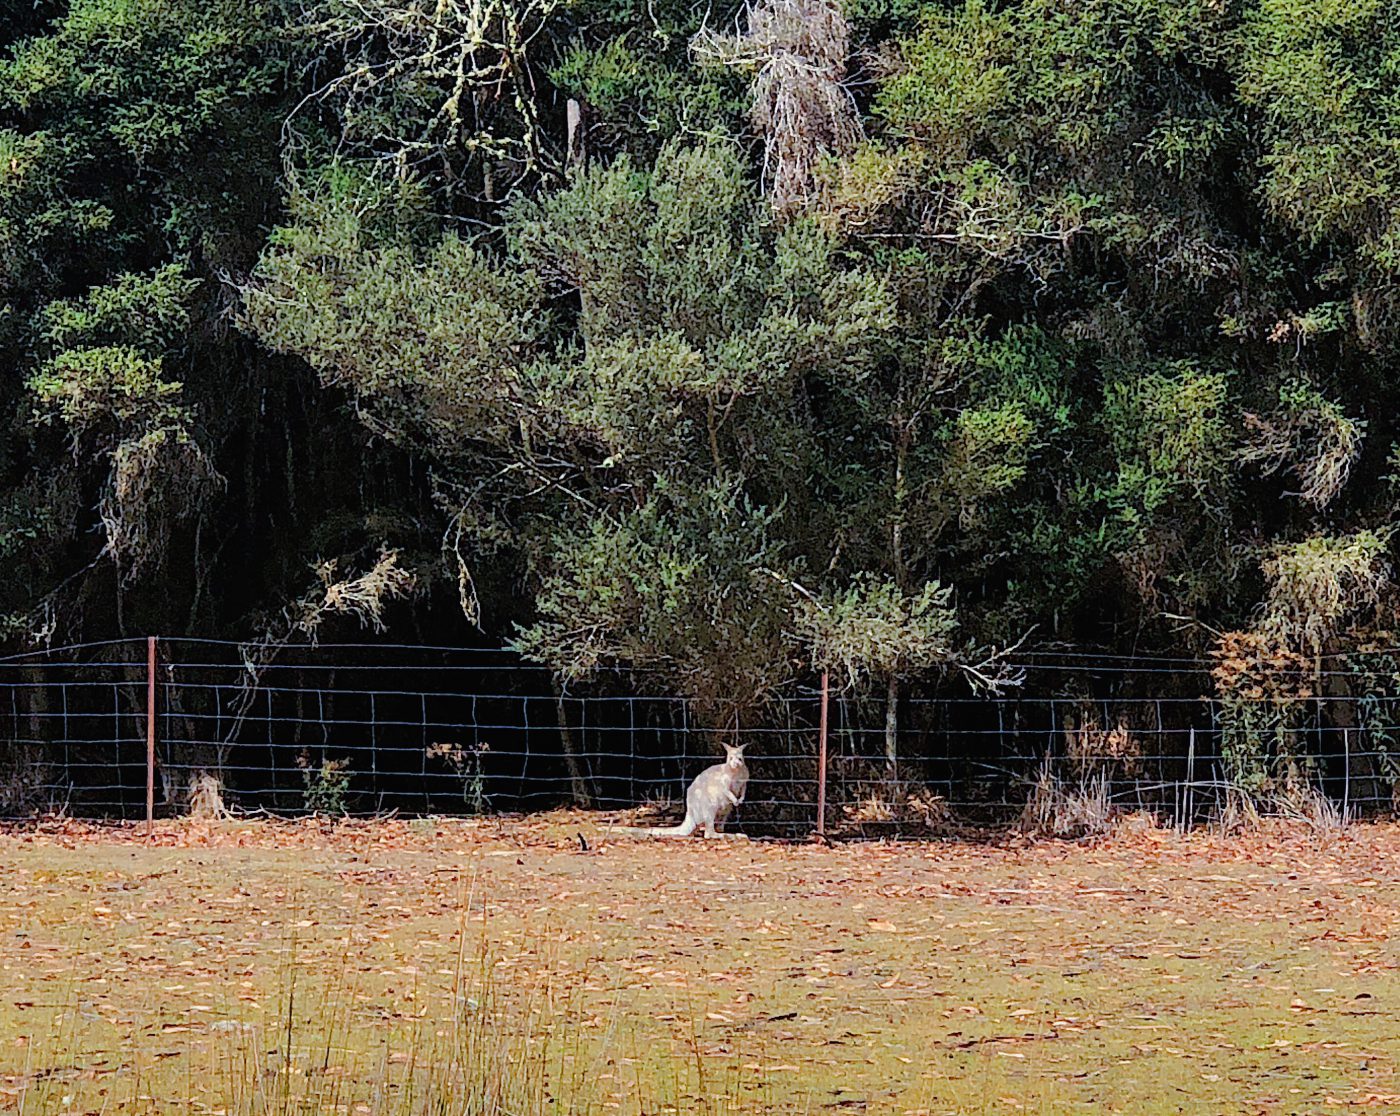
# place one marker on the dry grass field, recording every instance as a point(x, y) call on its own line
point(529, 966)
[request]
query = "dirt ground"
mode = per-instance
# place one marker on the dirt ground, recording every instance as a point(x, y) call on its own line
point(1147, 973)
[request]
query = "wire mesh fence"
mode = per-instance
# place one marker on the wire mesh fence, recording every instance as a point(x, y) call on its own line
point(369, 728)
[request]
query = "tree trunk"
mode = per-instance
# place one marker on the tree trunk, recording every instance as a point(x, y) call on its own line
point(192, 771)
point(901, 578)
point(1363, 778)
point(30, 761)
point(901, 454)
point(578, 785)
point(892, 726)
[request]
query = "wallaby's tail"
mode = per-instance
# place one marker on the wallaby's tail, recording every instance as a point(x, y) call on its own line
point(685, 829)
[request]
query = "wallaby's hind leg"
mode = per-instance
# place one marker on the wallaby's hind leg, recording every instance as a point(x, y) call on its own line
point(710, 829)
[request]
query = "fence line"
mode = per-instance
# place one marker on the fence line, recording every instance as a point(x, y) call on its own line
point(364, 728)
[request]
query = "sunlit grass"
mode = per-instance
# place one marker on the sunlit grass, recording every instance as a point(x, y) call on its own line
point(328, 1041)
point(460, 973)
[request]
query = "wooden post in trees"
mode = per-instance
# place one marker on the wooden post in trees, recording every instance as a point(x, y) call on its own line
point(576, 150)
point(150, 735)
point(821, 756)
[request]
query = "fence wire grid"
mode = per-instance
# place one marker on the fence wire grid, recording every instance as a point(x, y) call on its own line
point(368, 729)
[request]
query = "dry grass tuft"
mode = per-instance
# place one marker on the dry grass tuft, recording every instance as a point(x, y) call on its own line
point(1060, 808)
point(363, 597)
point(1305, 803)
point(796, 51)
point(1310, 436)
point(25, 775)
point(1239, 813)
point(658, 808)
point(206, 798)
point(1317, 585)
point(898, 807)
point(155, 480)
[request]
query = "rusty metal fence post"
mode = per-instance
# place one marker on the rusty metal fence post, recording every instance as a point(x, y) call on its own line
point(150, 735)
point(821, 757)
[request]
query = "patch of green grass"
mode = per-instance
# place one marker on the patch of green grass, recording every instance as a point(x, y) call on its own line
point(705, 977)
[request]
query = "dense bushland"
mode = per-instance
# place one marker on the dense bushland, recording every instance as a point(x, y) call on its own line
point(876, 338)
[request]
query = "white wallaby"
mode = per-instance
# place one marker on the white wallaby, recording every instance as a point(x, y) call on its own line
point(710, 797)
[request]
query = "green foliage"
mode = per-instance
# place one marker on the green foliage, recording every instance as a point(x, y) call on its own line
point(677, 587)
point(958, 75)
point(872, 628)
point(433, 342)
point(1263, 686)
point(137, 156)
point(1095, 330)
point(86, 389)
point(988, 453)
point(118, 408)
point(669, 400)
point(1375, 678)
point(1172, 426)
point(643, 94)
point(1322, 80)
point(1323, 77)
point(1038, 122)
point(129, 90)
point(150, 312)
point(324, 788)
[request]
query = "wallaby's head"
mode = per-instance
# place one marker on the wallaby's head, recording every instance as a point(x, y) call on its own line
point(734, 754)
